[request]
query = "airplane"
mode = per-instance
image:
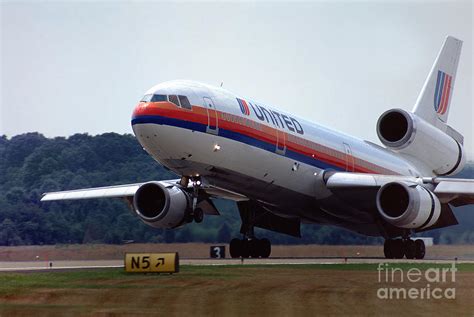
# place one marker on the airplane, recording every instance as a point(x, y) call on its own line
point(283, 171)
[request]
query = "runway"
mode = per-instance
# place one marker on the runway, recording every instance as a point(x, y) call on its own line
point(32, 266)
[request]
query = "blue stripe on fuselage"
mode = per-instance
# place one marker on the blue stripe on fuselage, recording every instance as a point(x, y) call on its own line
point(228, 134)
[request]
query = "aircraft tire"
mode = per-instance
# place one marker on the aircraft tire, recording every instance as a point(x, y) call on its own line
point(397, 249)
point(409, 249)
point(420, 249)
point(245, 248)
point(266, 248)
point(198, 215)
point(235, 248)
point(255, 248)
point(388, 249)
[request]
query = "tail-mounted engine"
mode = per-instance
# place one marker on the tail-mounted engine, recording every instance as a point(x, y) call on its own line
point(409, 207)
point(161, 207)
point(406, 133)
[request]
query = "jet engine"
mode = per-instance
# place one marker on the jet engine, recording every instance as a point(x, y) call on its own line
point(408, 134)
point(159, 206)
point(410, 207)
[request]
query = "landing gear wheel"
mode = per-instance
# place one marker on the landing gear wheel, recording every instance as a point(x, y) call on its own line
point(198, 215)
point(420, 249)
point(235, 248)
point(388, 249)
point(409, 249)
point(255, 248)
point(266, 248)
point(245, 248)
point(397, 249)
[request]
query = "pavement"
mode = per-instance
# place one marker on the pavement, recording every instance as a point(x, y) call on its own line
point(31, 266)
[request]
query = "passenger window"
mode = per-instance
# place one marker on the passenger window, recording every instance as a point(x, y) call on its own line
point(174, 99)
point(184, 102)
point(157, 98)
point(146, 98)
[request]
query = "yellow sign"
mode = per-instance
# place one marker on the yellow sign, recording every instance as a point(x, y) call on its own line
point(152, 262)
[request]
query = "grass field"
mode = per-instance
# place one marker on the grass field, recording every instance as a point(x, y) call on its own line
point(343, 289)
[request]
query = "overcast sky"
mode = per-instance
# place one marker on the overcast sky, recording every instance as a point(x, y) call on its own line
point(69, 67)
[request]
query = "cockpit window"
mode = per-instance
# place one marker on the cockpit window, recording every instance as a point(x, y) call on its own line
point(184, 102)
point(146, 98)
point(178, 100)
point(174, 99)
point(157, 98)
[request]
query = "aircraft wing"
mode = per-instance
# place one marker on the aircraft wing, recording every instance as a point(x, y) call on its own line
point(456, 191)
point(119, 191)
point(128, 191)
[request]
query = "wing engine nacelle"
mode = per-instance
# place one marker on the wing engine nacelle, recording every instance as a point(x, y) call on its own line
point(159, 206)
point(410, 207)
point(406, 133)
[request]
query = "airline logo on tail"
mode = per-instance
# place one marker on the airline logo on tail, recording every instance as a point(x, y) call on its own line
point(442, 92)
point(243, 107)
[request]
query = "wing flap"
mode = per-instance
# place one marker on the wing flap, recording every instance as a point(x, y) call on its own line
point(342, 180)
point(456, 191)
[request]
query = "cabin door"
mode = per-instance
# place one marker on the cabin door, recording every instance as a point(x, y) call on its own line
point(212, 121)
point(349, 158)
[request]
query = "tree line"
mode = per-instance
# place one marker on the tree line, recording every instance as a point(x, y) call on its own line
point(31, 164)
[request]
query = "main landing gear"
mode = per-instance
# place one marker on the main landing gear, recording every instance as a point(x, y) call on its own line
point(249, 246)
point(398, 248)
point(255, 248)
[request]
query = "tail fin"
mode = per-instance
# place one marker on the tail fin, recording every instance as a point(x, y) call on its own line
point(433, 102)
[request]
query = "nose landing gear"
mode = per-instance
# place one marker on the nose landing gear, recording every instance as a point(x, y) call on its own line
point(398, 248)
point(195, 213)
point(198, 215)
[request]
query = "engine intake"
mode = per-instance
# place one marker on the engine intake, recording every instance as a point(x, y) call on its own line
point(395, 128)
point(160, 206)
point(410, 207)
point(406, 133)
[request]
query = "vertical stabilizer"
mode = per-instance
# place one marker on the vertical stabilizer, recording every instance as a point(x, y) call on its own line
point(433, 102)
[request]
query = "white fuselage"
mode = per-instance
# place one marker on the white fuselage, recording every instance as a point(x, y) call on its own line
point(226, 132)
